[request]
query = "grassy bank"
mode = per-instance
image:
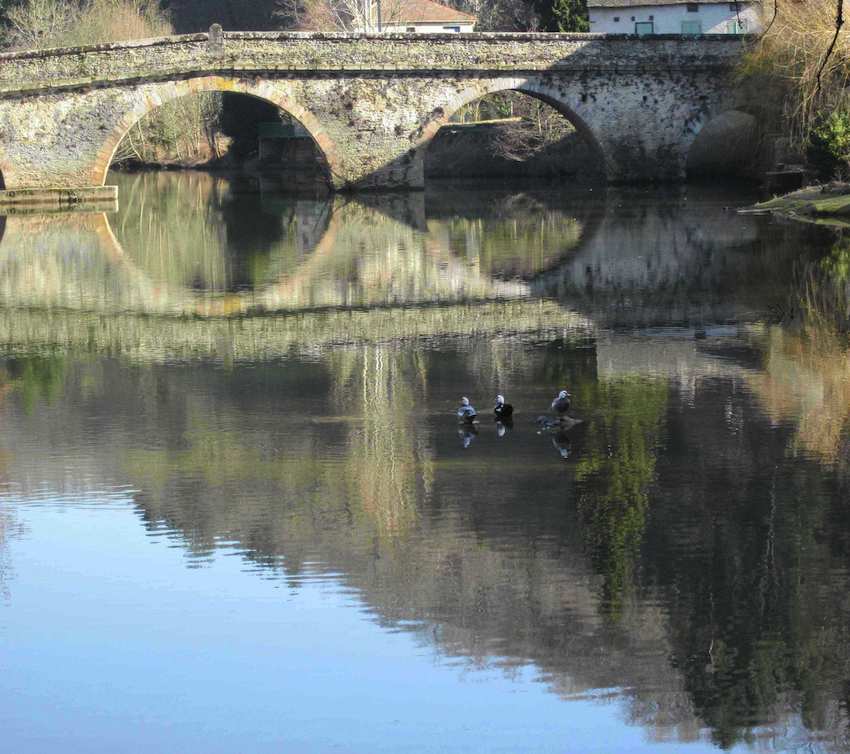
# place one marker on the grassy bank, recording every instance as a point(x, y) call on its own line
point(828, 204)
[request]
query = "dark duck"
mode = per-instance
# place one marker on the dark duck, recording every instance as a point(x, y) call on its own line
point(502, 411)
point(561, 404)
point(466, 413)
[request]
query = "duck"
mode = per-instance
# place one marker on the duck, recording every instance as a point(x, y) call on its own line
point(563, 421)
point(503, 410)
point(561, 404)
point(466, 413)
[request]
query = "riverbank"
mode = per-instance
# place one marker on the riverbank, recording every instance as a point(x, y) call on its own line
point(828, 204)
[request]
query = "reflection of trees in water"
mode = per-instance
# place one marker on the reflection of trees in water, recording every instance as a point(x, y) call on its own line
point(373, 255)
point(805, 379)
point(388, 464)
point(388, 471)
point(614, 476)
point(714, 575)
point(33, 378)
point(739, 545)
point(518, 238)
point(194, 243)
point(30, 379)
point(756, 630)
point(197, 231)
point(821, 294)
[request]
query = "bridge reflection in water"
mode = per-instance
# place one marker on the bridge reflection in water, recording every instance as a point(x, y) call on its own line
point(196, 244)
point(661, 566)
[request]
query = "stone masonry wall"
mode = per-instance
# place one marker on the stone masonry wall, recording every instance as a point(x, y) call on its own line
point(371, 103)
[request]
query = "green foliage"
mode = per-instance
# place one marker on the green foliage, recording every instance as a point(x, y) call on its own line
point(571, 15)
point(829, 143)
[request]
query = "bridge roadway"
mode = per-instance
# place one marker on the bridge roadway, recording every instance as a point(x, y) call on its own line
point(371, 103)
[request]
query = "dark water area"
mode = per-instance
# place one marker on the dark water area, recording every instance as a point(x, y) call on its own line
point(238, 513)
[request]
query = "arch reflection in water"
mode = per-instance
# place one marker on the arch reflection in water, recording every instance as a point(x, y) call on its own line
point(202, 244)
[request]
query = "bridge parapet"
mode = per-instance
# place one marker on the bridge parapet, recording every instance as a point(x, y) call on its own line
point(348, 54)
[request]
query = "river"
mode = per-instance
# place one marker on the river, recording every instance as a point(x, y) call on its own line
point(237, 512)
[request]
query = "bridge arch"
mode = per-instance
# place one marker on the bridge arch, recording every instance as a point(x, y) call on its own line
point(151, 97)
point(722, 143)
point(540, 90)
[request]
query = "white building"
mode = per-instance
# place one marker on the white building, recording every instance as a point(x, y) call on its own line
point(674, 16)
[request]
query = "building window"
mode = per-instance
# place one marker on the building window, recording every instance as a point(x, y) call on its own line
point(633, 18)
point(616, 19)
point(643, 28)
point(453, 29)
point(736, 27)
point(691, 27)
point(652, 18)
point(693, 8)
point(410, 28)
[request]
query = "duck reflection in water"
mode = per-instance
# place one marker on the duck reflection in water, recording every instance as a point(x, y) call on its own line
point(563, 444)
point(467, 433)
point(503, 426)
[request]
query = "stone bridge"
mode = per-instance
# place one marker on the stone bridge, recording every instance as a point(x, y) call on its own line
point(371, 103)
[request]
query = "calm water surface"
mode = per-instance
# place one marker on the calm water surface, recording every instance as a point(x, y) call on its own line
point(237, 513)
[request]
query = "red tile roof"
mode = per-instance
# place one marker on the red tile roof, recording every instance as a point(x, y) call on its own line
point(421, 11)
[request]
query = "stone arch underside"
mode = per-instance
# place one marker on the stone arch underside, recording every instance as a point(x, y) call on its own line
point(724, 142)
point(549, 94)
point(152, 96)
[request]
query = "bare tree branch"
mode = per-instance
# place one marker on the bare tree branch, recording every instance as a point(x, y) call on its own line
point(839, 22)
